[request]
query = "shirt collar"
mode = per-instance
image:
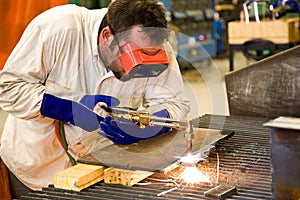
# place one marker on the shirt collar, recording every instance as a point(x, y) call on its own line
point(96, 27)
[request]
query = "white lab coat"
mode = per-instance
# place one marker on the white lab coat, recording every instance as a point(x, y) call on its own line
point(58, 54)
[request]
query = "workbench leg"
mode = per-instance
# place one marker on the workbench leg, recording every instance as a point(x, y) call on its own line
point(231, 58)
point(17, 188)
point(4, 182)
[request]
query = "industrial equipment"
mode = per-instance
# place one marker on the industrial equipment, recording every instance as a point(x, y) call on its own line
point(257, 9)
point(144, 119)
point(260, 163)
point(242, 160)
point(259, 40)
point(196, 23)
point(270, 89)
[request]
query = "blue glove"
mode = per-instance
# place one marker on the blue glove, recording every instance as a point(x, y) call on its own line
point(122, 131)
point(78, 114)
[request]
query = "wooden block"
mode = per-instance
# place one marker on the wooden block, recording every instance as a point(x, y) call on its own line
point(124, 177)
point(78, 177)
point(281, 31)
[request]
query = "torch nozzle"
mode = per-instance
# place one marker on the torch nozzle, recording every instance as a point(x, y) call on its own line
point(189, 136)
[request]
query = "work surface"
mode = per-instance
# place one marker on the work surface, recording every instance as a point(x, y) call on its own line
point(155, 154)
point(242, 160)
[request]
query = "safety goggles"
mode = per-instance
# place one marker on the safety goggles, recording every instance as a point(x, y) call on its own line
point(139, 64)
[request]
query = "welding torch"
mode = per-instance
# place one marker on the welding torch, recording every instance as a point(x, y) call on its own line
point(144, 118)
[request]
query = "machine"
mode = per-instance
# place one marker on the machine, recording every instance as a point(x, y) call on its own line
point(144, 119)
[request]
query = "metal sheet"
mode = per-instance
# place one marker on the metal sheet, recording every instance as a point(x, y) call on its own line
point(154, 154)
point(268, 88)
point(285, 162)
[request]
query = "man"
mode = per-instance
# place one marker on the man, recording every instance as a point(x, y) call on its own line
point(68, 60)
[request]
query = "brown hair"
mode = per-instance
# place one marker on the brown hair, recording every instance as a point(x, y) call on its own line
point(123, 14)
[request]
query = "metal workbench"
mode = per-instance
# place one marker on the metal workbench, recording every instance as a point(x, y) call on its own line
point(243, 161)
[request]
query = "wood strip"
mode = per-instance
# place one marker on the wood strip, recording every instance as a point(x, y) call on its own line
point(78, 177)
point(124, 177)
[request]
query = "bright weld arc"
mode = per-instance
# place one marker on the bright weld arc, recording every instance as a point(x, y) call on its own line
point(189, 159)
point(191, 174)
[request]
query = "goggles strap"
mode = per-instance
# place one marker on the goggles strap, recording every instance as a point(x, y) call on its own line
point(115, 41)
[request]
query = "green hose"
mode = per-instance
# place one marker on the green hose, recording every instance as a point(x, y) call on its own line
point(64, 141)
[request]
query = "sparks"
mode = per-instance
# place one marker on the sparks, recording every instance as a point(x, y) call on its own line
point(192, 175)
point(189, 159)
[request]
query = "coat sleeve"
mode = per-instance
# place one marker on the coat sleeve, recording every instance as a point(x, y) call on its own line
point(22, 78)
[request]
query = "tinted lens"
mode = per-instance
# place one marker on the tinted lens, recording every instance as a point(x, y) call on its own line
point(150, 70)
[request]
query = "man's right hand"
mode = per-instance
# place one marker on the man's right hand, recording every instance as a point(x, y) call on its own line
point(79, 114)
point(122, 131)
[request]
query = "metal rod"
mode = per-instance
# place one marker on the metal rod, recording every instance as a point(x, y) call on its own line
point(189, 136)
point(167, 191)
point(169, 125)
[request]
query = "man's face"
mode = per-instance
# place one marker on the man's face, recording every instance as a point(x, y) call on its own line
point(141, 41)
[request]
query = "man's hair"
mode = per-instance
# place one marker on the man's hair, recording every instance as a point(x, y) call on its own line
point(123, 14)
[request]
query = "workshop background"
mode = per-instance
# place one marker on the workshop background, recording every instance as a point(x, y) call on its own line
point(215, 34)
point(203, 25)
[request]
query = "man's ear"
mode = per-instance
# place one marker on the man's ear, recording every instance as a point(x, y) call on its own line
point(106, 36)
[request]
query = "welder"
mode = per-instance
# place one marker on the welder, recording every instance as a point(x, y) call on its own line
point(68, 60)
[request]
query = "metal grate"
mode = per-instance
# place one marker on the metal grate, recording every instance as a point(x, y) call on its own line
point(242, 160)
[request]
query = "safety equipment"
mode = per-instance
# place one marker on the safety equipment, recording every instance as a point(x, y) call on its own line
point(122, 131)
point(138, 64)
point(77, 113)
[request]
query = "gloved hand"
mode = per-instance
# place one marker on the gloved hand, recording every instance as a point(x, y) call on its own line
point(122, 131)
point(78, 114)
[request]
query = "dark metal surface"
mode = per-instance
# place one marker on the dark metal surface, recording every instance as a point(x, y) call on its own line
point(242, 160)
point(154, 154)
point(285, 154)
point(268, 88)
